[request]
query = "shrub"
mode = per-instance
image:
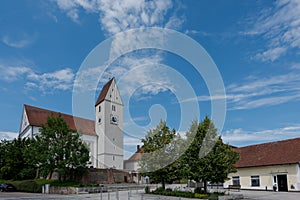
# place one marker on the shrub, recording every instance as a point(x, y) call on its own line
point(201, 196)
point(28, 186)
point(198, 190)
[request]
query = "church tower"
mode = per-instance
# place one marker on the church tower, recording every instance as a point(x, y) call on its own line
point(109, 126)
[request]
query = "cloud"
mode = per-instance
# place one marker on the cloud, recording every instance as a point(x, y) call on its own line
point(254, 92)
point(122, 15)
point(10, 74)
point(17, 43)
point(280, 26)
point(240, 137)
point(4, 135)
point(46, 82)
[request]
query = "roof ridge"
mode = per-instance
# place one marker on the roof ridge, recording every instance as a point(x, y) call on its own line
point(57, 112)
point(266, 143)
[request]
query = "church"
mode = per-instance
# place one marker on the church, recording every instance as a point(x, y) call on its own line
point(103, 136)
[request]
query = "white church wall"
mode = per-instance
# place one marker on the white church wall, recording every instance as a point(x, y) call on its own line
point(91, 142)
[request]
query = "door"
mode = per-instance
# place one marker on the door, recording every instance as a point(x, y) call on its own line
point(282, 182)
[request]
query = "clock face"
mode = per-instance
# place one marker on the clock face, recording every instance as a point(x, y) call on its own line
point(114, 119)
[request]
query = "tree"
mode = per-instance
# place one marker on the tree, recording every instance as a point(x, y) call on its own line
point(61, 149)
point(208, 158)
point(14, 163)
point(160, 152)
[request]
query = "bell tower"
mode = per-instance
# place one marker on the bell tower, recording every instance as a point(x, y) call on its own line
point(109, 126)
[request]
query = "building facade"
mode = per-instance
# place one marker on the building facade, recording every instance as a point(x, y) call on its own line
point(103, 136)
point(269, 166)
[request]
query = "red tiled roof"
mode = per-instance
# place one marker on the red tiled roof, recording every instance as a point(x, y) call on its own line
point(137, 155)
point(104, 92)
point(38, 117)
point(273, 153)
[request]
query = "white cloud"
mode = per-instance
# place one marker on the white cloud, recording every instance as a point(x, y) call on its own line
point(16, 43)
point(271, 54)
point(257, 92)
point(4, 135)
point(45, 82)
point(240, 137)
point(13, 73)
point(280, 26)
point(121, 15)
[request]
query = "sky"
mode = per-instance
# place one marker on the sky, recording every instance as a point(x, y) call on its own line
point(250, 86)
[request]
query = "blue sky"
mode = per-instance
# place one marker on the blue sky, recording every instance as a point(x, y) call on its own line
point(254, 44)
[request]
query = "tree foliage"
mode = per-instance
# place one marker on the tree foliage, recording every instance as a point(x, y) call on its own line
point(206, 157)
point(160, 150)
point(55, 149)
point(61, 149)
point(14, 161)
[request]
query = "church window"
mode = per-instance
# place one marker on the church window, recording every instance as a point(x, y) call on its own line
point(99, 108)
point(99, 120)
point(113, 107)
point(113, 157)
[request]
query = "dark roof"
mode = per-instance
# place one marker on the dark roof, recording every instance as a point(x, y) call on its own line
point(137, 155)
point(104, 92)
point(38, 117)
point(272, 153)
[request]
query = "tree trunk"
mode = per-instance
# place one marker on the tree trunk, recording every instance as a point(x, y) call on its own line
point(163, 184)
point(205, 186)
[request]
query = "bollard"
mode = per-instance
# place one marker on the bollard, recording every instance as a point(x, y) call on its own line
point(117, 194)
point(108, 196)
point(101, 193)
point(128, 196)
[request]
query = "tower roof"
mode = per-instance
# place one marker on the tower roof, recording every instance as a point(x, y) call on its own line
point(104, 91)
point(38, 117)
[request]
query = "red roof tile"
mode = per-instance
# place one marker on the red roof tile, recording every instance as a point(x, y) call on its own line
point(273, 153)
point(104, 92)
point(137, 155)
point(38, 117)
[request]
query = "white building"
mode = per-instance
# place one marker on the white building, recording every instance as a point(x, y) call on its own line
point(268, 165)
point(104, 136)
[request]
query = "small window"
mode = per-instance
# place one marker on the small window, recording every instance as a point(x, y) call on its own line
point(99, 108)
point(235, 180)
point(254, 180)
point(99, 120)
point(113, 157)
point(113, 107)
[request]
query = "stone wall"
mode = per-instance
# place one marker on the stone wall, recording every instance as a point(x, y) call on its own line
point(105, 176)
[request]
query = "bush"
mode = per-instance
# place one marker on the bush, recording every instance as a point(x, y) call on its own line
point(201, 196)
point(199, 190)
point(28, 186)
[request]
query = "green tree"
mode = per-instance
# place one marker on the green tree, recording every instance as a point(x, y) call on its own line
point(61, 150)
point(13, 164)
point(160, 152)
point(207, 158)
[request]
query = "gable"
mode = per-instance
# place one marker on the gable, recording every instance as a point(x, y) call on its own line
point(24, 121)
point(110, 92)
